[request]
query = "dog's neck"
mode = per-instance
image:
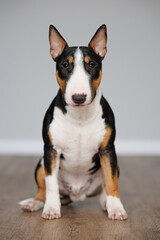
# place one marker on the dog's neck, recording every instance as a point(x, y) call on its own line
point(85, 113)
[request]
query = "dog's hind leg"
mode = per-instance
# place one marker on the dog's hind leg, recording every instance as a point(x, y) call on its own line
point(31, 205)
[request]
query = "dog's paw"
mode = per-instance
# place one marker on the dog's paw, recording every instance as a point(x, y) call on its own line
point(103, 206)
point(115, 209)
point(50, 212)
point(32, 206)
point(117, 214)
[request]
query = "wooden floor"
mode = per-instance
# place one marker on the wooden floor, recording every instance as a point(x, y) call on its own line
point(140, 192)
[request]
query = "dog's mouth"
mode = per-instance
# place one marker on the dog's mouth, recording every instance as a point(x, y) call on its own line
point(79, 105)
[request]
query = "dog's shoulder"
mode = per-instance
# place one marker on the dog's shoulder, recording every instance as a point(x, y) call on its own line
point(108, 116)
point(58, 102)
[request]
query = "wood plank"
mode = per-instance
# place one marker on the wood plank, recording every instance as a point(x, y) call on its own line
point(139, 189)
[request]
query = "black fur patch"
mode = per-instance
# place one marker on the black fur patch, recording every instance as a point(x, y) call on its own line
point(36, 169)
point(96, 161)
point(60, 102)
point(109, 118)
point(65, 72)
point(49, 155)
point(62, 157)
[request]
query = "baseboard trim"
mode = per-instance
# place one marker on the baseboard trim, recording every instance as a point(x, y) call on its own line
point(21, 147)
point(138, 147)
point(123, 147)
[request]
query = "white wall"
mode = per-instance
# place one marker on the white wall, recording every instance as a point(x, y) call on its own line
point(131, 69)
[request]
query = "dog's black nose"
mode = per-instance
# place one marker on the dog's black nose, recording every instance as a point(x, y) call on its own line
point(79, 98)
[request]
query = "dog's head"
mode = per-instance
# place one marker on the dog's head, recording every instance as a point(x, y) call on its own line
point(78, 69)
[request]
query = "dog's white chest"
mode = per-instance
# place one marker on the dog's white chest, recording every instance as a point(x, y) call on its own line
point(77, 140)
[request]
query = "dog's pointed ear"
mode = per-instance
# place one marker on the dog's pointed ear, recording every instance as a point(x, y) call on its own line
point(99, 41)
point(57, 42)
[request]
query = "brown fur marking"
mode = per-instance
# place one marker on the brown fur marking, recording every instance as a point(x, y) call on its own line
point(87, 59)
point(63, 45)
point(50, 137)
point(41, 185)
point(106, 137)
point(111, 182)
point(53, 165)
point(61, 82)
point(96, 82)
point(70, 59)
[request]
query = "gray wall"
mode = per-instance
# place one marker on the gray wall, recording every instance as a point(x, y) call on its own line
point(131, 69)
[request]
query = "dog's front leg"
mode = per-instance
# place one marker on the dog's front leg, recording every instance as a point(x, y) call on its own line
point(52, 205)
point(110, 171)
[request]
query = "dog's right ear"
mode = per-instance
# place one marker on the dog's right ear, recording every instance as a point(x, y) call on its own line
point(99, 41)
point(57, 42)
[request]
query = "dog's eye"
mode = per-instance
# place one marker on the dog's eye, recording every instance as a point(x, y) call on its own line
point(65, 64)
point(92, 64)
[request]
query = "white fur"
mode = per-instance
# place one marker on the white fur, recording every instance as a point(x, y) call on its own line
point(78, 187)
point(52, 204)
point(115, 208)
point(79, 81)
point(23, 202)
point(78, 134)
point(102, 199)
point(31, 205)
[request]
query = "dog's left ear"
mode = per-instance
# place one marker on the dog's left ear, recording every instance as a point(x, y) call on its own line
point(99, 41)
point(57, 42)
